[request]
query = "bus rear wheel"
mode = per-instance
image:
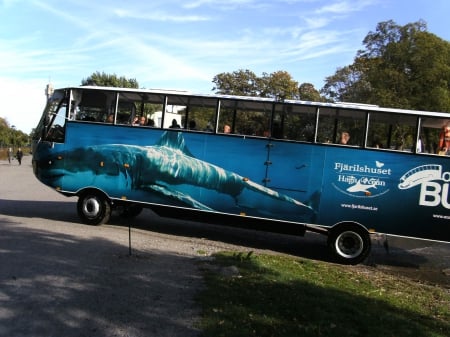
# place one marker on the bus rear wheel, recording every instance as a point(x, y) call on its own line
point(349, 242)
point(93, 208)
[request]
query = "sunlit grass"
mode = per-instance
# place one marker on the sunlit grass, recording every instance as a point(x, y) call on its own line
point(270, 295)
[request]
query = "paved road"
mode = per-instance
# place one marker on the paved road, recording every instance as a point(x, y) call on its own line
point(61, 278)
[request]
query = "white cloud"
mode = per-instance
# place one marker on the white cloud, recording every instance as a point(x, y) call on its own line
point(22, 102)
point(159, 16)
point(345, 7)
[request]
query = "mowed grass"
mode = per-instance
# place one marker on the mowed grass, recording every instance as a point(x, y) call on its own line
point(267, 295)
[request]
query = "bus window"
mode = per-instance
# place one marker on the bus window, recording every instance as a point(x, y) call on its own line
point(133, 107)
point(294, 122)
point(392, 131)
point(227, 116)
point(336, 122)
point(56, 124)
point(245, 117)
point(432, 136)
point(93, 105)
point(200, 114)
point(176, 109)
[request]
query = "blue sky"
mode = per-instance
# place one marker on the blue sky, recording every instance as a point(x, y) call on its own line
point(183, 44)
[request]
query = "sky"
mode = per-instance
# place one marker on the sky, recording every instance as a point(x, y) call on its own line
point(171, 44)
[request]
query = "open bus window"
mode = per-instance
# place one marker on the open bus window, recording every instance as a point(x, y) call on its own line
point(126, 112)
point(200, 114)
point(334, 122)
point(134, 107)
point(92, 105)
point(294, 122)
point(394, 132)
point(432, 135)
point(245, 117)
point(176, 108)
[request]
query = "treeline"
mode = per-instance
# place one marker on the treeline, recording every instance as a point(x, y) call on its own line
point(10, 136)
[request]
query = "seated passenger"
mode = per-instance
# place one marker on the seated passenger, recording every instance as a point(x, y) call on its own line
point(192, 125)
point(142, 121)
point(444, 140)
point(175, 124)
point(345, 137)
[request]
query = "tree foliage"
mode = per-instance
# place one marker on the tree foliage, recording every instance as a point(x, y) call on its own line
point(110, 80)
point(400, 66)
point(279, 84)
point(240, 82)
point(10, 136)
point(307, 92)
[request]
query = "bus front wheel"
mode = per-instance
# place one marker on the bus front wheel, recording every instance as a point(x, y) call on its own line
point(349, 242)
point(93, 208)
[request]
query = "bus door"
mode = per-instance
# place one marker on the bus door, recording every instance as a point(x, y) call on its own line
point(294, 167)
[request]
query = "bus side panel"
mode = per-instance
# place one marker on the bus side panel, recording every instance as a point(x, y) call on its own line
point(393, 193)
point(222, 173)
point(390, 192)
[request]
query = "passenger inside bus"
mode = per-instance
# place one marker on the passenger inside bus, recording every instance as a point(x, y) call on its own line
point(444, 140)
point(175, 124)
point(345, 137)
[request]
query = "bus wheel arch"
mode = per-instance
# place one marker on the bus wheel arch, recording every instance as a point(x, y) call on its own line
point(93, 207)
point(349, 242)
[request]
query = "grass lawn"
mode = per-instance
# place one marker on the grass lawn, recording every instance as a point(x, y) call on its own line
point(267, 295)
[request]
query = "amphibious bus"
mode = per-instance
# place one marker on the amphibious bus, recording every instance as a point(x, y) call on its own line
point(261, 163)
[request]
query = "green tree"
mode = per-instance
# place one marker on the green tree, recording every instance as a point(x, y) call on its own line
point(400, 66)
point(9, 136)
point(307, 92)
point(279, 84)
point(240, 82)
point(110, 80)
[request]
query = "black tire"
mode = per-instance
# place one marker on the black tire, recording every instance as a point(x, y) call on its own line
point(93, 208)
point(349, 242)
point(131, 211)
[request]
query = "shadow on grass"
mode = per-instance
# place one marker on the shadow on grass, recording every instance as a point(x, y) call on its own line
point(53, 284)
point(259, 302)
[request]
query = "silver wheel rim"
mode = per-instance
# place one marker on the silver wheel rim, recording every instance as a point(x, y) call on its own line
point(349, 244)
point(91, 207)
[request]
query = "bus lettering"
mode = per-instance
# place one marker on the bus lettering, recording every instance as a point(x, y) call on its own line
point(432, 194)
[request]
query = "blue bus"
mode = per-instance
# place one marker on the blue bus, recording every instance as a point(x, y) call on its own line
point(343, 170)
